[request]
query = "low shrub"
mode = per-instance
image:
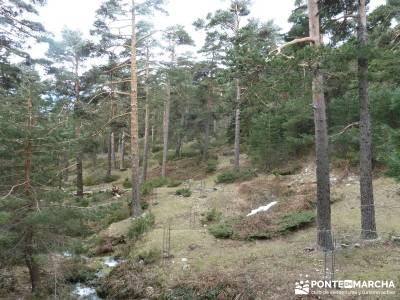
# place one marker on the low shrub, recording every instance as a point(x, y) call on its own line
point(127, 183)
point(185, 192)
point(77, 272)
point(174, 183)
point(211, 216)
point(297, 220)
point(222, 230)
point(117, 213)
point(111, 178)
point(235, 176)
point(141, 225)
point(148, 186)
point(149, 256)
point(91, 180)
point(212, 165)
point(156, 148)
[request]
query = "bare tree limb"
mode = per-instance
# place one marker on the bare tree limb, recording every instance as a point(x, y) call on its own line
point(346, 128)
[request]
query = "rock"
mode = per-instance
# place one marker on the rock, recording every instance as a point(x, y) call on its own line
point(149, 291)
point(104, 249)
point(193, 247)
point(309, 249)
point(357, 245)
point(396, 239)
point(344, 245)
point(118, 230)
point(184, 260)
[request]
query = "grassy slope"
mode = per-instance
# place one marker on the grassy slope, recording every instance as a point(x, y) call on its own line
point(272, 267)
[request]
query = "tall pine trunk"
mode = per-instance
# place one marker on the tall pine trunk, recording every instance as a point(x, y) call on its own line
point(79, 164)
point(368, 225)
point(28, 240)
point(122, 151)
point(208, 123)
point(78, 124)
point(146, 119)
point(167, 107)
point(136, 206)
point(113, 151)
point(237, 126)
point(65, 166)
point(324, 236)
point(109, 155)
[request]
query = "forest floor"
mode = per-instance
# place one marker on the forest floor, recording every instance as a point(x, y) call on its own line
point(263, 269)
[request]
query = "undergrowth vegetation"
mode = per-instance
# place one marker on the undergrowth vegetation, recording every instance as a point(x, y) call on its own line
point(236, 176)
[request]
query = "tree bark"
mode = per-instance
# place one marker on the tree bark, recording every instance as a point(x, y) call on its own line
point(109, 155)
point(78, 124)
point(237, 126)
point(29, 232)
point(79, 165)
point(324, 237)
point(65, 167)
point(136, 206)
point(122, 152)
point(113, 156)
point(146, 118)
point(208, 123)
point(368, 224)
point(167, 104)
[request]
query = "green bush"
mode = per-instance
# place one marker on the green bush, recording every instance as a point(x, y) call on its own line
point(294, 221)
point(212, 215)
point(174, 183)
point(234, 176)
point(149, 256)
point(148, 186)
point(97, 178)
point(111, 178)
point(185, 192)
point(117, 213)
point(127, 183)
point(78, 272)
point(212, 165)
point(222, 230)
point(91, 180)
point(156, 148)
point(141, 226)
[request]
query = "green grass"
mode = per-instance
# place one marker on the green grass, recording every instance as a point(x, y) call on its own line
point(140, 226)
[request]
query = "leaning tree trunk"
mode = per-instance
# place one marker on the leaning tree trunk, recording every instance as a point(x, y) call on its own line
point(109, 155)
point(368, 225)
point(324, 238)
point(237, 126)
point(122, 152)
point(146, 119)
point(167, 104)
point(136, 206)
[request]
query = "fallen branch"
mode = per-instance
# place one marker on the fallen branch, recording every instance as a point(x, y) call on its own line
point(294, 42)
point(12, 189)
point(345, 129)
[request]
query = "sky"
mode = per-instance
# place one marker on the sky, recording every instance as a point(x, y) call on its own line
point(80, 14)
